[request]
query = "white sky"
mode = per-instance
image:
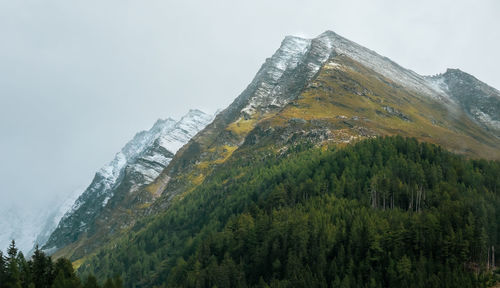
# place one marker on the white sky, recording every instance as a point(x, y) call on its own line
point(79, 78)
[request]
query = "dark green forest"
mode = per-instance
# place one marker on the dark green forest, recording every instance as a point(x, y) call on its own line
point(385, 212)
point(41, 272)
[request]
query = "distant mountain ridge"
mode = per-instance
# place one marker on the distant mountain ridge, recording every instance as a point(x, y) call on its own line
point(137, 164)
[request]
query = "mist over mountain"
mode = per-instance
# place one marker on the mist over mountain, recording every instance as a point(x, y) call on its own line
point(29, 227)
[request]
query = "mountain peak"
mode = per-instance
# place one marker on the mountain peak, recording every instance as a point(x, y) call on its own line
point(453, 70)
point(328, 33)
point(195, 115)
point(195, 112)
point(161, 122)
point(292, 39)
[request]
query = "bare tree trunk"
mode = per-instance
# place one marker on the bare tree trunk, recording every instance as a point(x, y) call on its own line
point(493, 257)
point(392, 200)
point(419, 199)
point(410, 207)
point(488, 262)
point(373, 192)
point(383, 195)
point(372, 195)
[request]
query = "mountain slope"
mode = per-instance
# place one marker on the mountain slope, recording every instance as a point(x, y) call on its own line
point(115, 197)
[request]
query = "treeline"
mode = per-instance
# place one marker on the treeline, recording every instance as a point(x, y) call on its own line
point(41, 272)
point(386, 212)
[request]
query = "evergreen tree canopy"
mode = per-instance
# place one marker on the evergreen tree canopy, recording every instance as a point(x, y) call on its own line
point(385, 212)
point(40, 272)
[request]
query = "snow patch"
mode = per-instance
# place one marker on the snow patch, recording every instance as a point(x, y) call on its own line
point(105, 201)
point(485, 118)
point(331, 65)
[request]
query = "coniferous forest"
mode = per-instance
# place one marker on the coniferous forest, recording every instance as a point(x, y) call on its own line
point(385, 212)
point(41, 272)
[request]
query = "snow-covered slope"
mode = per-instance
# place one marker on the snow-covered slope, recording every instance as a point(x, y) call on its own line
point(138, 163)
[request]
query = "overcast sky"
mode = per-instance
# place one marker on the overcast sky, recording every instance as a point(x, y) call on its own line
point(79, 78)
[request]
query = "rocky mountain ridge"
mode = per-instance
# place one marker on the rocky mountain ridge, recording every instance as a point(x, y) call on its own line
point(137, 164)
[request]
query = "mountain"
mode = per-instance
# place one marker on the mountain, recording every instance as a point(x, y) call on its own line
point(115, 197)
point(316, 130)
point(330, 89)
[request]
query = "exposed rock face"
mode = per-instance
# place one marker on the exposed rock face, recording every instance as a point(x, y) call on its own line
point(283, 76)
point(138, 163)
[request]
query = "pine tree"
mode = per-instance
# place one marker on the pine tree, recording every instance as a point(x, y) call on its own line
point(118, 282)
point(61, 281)
point(3, 270)
point(65, 274)
point(13, 279)
point(90, 282)
point(109, 284)
point(24, 270)
point(41, 267)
